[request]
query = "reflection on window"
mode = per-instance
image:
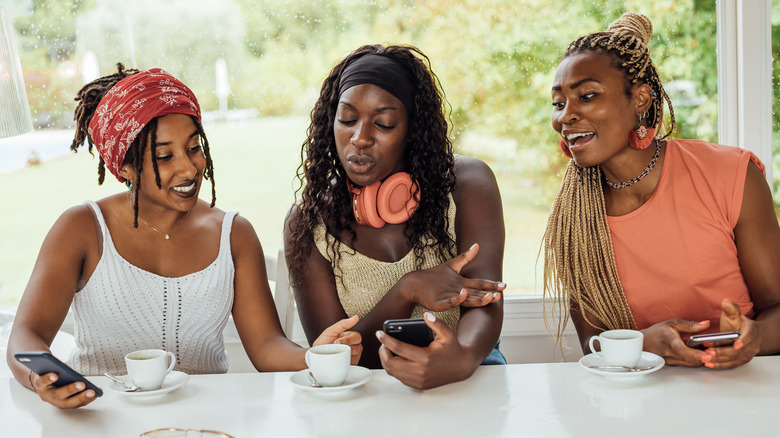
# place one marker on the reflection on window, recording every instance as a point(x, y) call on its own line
point(257, 66)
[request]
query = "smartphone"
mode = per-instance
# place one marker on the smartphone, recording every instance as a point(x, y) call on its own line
point(412, 331)
point(41, 362)
point(712, 340)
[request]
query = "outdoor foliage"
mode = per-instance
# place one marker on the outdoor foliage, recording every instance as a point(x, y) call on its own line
point(495, 59)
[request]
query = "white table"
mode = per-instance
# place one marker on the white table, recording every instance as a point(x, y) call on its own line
point(532, 400)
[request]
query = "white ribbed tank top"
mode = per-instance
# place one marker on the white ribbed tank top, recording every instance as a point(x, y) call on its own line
point(124, 308)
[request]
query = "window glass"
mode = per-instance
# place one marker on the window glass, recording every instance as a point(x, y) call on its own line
point(495, 59)
point(776, 102)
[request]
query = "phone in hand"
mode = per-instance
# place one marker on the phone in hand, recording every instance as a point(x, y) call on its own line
point(412, 331)
point(42, 362)
point(712, 340)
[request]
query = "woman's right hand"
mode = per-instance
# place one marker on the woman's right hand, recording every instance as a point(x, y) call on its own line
point(664, 339)
point(66, 397)
point(442, 287)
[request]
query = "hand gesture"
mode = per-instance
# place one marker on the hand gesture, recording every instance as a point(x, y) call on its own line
point(442, 287)
point(66, 397)
point(744, 348)
point(339, 333)
point(664, 340)
point(441, 362)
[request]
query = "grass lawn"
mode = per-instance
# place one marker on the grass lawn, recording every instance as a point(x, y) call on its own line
point(255, 165)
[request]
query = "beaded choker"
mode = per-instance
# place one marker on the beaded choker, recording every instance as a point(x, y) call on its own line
point(641, 175)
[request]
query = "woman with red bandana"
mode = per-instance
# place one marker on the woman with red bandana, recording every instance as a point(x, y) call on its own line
point(153, 267)
point(670, 237)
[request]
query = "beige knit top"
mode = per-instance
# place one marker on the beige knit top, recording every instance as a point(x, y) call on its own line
point(366, 281)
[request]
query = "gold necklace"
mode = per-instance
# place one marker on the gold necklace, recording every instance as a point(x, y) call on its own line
point(166, 235)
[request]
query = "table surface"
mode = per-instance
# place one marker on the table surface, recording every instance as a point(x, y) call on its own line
point(530, 400)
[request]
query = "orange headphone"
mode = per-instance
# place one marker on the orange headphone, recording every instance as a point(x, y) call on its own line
point(390, 201)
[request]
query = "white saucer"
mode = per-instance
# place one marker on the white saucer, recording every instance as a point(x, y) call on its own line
point(651, 360)
point(357, 376)
point(173, 381)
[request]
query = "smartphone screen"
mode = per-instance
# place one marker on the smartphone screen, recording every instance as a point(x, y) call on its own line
point(412, 331)
point(712, 340)
point(41, 362)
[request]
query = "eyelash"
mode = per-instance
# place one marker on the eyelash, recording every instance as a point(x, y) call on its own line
point(379, 125)
point(587, 97)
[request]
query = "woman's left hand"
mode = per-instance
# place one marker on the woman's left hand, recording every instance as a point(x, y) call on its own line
point(442, 362)
point(744, 348)
point(339, 333)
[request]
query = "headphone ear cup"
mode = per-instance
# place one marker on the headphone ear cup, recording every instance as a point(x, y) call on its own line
point(364, 206)
point(396, 201)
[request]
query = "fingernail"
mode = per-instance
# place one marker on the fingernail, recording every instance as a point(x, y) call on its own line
point(430, 317)
point(472, 246)
point(726, 300)
point(79, 386)
point(379, 334)
point(90, 394)
point(463, 291)
point(501, 284)
point(703, 323)
point(709, 365)
point(738, 345)
point(496, 295)
point(706, 358)
point(711, 352)
point(337, 341)
point(52, 378)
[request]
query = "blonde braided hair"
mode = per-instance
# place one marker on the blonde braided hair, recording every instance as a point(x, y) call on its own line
point(579, 262)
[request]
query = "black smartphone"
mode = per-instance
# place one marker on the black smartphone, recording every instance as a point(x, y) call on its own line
point(712, 340)
point(41, 362)
point(412, 331)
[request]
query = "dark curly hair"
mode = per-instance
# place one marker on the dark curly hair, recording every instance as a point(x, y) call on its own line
point(88, 99)
point(323, 181)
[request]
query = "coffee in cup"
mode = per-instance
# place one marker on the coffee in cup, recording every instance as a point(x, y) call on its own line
point(329, 363)
point(619, 347)
point(148, 368)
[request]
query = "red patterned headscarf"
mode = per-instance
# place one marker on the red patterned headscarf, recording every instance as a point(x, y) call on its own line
point(129, 105)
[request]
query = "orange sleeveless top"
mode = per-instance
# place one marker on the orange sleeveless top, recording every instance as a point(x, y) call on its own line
point(676, 255)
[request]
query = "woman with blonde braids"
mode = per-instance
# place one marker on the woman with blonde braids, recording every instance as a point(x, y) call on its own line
point(670, 237)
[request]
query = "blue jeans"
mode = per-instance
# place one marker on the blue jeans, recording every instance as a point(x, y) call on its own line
point(495, 357)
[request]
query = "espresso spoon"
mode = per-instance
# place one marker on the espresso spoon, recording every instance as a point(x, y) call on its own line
point(313, 382)
point(619, 367)
point(128, 386)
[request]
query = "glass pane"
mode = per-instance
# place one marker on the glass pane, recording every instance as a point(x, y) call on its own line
point(776, 102)
point(495, 59)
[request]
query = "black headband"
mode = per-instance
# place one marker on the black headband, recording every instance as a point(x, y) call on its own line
point(383, 71)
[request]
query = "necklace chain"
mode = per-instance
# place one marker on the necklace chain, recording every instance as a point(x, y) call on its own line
point(641, 175)
point(168, 234)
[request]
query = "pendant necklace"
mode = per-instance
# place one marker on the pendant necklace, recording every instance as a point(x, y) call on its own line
point(166, 235)
point(647, 170)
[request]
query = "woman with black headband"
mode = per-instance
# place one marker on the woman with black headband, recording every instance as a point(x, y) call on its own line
point(385, 210)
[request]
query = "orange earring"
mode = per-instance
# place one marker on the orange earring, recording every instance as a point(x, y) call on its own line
point(641, 137)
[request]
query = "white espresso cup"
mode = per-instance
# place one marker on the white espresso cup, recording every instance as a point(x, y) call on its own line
point(329, 363)
point(148, 368)
point(619, 347)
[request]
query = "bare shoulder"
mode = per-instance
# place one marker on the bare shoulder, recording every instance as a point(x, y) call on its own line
point(77, 222)
point(473, 178)
point(243, 237)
